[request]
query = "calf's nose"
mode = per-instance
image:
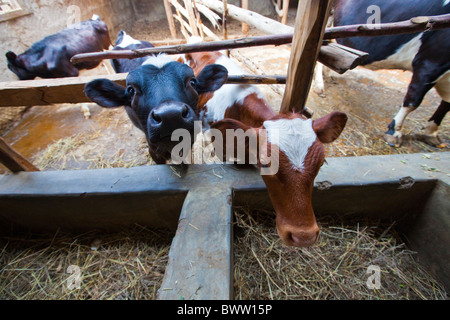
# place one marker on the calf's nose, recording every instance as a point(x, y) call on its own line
point(300, 237)
point(170, 112)
point(166, 118)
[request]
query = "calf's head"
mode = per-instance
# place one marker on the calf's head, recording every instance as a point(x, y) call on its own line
point(296, 144)
point(16, 65)
point(160, 97)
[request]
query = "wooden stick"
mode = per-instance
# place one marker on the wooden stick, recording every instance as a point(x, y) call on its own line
point(285, 11)
point(256, 79)
point(169, 15)
point(312, 17)
point(13, 160)
point(414, 25)
point(224, 24)
point(187, 48)
point(245, 27)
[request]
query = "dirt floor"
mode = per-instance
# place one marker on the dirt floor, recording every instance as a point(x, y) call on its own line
point(59, 137)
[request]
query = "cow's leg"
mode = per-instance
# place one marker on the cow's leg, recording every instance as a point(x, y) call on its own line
point(318, 84)
point(432, 126)
point(422, 81)
point(85, 110)
point(394, 135)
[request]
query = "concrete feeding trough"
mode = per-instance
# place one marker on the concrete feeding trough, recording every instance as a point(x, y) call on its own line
point(198, 201)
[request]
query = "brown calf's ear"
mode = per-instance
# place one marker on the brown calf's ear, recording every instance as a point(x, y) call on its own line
point(329, 127)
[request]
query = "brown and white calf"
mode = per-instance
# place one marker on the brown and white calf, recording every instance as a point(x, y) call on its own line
point(299, 145)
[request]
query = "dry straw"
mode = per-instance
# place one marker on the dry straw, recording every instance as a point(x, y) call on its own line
point(334, 268)
point(125, 265)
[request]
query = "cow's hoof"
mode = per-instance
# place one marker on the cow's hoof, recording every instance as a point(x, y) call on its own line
point(393, 140)
point(432, 140)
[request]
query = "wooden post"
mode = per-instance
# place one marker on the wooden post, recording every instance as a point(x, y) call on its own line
point(224, 24)
point(13, 160)
point(245, 27)
point(191, 17)
point(285, 11)
point(173, 31)
point(312, 16)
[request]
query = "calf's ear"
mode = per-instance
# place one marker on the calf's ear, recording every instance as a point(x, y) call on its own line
point(106, 93)
point(211, 78)
point(329, 127)
point(11, 56)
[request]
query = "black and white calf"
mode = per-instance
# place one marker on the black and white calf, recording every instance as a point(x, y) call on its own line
point(160, 96)
point(126, 42)
point(50, 57)
point(427, 54)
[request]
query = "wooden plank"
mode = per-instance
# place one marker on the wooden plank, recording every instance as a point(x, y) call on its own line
point(71, 90)
point(191, 17)
point(267, 25)
point(200, 257)
point(49, 91)
point(169, 14)
point(13, 160)
point(312, 16)
point(341, 58)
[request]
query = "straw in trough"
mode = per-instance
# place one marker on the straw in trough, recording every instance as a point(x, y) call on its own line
point(334, 268)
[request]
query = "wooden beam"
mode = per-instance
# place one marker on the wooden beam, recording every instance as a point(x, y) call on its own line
point(49, 91)
point(341, 58)
point(13, 160)
point(312, 16)
point(262, 23)
point(71, 90)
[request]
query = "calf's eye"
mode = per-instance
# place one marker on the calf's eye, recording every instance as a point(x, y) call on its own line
point(193, 83)
point(131, 91)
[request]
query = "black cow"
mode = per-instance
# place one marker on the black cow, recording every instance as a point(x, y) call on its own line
point(50, 57)
point(427, 54)
point(160, 96)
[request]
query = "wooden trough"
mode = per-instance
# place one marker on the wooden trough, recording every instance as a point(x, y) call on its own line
point(199, 204)
point(198, 201)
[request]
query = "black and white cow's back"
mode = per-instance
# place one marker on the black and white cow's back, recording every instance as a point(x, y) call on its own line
point(427, 54)
point(126, 42)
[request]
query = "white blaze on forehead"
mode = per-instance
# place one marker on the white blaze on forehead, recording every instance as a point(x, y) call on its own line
point(127, 41)
point(158, 61)
point(228, 94)
point(293, 136)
